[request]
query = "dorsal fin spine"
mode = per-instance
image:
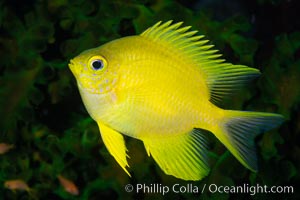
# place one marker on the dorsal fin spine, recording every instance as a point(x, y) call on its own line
point(168, 32)
point(152, 28)
point(195, 52)
point(220, 77)
point(184, 29)
point(199, 43)
point(154, 32)
point(197, 37)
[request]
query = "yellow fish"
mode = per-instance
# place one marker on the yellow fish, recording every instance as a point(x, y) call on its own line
point(162, 87)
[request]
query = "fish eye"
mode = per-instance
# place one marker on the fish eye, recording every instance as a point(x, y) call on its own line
point(97, 64)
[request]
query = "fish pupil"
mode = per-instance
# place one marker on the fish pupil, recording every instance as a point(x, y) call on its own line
point(97, 64)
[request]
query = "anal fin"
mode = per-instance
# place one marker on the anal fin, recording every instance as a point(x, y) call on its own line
point(115, 144)
point(183, 155)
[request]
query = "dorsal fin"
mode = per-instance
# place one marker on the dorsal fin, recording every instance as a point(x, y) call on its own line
point(221, 77)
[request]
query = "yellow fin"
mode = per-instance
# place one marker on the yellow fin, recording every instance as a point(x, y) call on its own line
point(221, 78)
point(183, 156)
point(115, 144)
point(239, 131)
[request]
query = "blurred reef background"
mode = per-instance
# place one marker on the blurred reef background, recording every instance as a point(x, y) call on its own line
point(49, 133)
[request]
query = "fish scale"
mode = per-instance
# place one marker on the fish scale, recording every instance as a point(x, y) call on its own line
point(158, 99)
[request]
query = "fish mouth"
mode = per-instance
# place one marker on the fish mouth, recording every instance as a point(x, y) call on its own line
point(72, 66)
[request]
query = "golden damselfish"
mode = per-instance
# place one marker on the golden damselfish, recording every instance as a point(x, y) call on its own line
point(162, 87)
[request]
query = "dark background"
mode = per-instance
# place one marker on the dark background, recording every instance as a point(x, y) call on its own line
point(42, 114)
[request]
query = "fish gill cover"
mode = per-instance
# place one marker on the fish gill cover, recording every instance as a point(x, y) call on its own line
point(50, 134)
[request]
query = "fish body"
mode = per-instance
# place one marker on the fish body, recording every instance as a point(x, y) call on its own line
point(17, 184)
point(163, 87)
point(4, 148)
point(140, 91)
point(68, 185)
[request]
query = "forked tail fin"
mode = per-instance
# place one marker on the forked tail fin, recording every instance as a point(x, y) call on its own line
point(238, 130)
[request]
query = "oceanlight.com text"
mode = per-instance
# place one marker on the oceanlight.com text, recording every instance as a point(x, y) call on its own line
point(157, 188)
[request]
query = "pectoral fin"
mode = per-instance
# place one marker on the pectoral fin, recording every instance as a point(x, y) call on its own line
point(115, 144)
point(183, 155)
